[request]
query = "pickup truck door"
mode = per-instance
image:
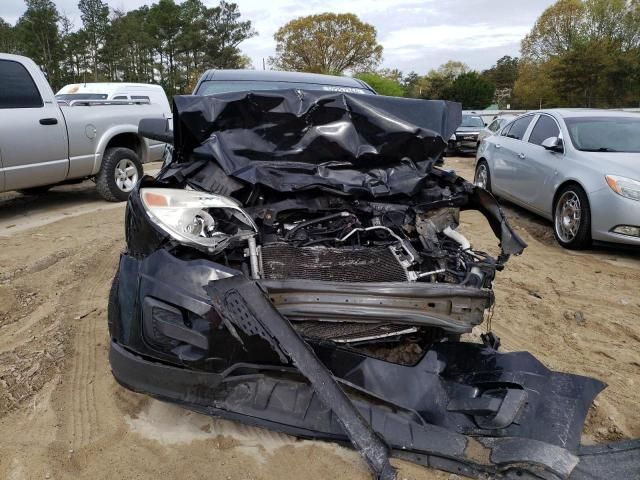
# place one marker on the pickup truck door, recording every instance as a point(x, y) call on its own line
point(33, 134)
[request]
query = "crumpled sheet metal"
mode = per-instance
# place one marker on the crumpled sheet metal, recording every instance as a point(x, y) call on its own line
point(292, 140)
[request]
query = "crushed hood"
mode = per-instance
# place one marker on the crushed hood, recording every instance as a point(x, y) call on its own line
point(293, 140)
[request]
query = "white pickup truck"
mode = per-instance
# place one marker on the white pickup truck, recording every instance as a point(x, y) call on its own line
point(43, 143)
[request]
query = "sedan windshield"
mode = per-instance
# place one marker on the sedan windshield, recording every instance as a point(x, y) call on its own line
point(605, 134)
point(215, 87)
point(472, 121)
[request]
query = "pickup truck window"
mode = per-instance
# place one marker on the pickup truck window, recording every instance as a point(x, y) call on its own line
point(17, 89)
point(68, 97)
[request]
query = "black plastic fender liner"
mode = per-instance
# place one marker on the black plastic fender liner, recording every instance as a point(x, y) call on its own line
point(164, 381)
point(293, 407)
point(426, 413)
point(238, 300)
point(609, 461)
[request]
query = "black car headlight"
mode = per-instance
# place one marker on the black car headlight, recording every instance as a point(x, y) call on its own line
point(204, 221)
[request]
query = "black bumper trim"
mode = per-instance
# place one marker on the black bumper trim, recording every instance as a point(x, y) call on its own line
point(243, 398)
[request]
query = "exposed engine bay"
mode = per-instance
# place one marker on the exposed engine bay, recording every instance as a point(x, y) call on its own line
point(313, 239)
point(298, 264)
point(314, 253)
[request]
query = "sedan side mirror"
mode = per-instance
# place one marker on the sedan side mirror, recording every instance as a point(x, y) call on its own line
point(155, 129)
point(553, 144)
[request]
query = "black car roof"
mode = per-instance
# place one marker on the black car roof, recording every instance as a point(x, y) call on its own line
point(278, 76)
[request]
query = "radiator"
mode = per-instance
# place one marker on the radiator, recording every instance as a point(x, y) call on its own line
point(282, 261)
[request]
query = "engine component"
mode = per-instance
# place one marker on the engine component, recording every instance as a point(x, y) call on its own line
point(457, 237)
point(347, 264)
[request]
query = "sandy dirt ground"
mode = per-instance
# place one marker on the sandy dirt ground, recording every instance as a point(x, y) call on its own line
point(62, 416)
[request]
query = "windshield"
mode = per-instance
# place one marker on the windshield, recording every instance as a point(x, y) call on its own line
point(81, 96)
point(472, 121)
point(214, 87)
point(605, 134)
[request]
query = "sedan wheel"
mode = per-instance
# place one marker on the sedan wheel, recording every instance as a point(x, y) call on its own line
point(571, 218)
point(482, 178)
point(568, 214)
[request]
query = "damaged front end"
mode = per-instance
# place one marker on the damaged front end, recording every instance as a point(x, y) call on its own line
point(298, 266)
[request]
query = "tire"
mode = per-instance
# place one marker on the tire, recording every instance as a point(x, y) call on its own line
point(572, 218)
point(35, 190)
point(120, 171)
point(482, 167)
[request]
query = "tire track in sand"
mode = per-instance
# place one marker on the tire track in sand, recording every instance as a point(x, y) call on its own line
point(84, 417)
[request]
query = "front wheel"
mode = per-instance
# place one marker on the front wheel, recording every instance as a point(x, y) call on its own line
point(572, 218)
point(482, 177)
point(120, 171)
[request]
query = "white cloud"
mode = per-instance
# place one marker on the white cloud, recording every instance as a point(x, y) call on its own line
point(411, 43)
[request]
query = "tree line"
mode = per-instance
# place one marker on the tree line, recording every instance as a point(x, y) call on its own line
point(580, 53)
point(166, 43)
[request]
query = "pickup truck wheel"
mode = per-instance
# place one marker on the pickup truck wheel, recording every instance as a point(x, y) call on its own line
point(120, 171)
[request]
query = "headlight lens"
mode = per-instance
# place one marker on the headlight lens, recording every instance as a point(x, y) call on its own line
point(202, 220)
point(624, 186)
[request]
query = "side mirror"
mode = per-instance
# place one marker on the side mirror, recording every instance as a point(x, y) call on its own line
point(155, 129)
point(553, 144)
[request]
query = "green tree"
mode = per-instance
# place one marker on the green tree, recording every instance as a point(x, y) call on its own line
point(167, 43)
point(327, 43)
point(165, 27)
point(411, 85)
point(470, 89)
point(504, 73)
point(224, 32)
point(8, 40)
point(193, 39)
point(452, 69)
point(382, 84)
point(435, 84)
point(38, 36)
point(95, 21)
point(555, 31)
point(534, 87)
point(589, 51)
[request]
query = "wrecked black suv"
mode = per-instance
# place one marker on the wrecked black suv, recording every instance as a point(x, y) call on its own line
point(297, 265)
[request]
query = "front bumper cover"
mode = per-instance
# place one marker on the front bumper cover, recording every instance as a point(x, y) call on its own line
point(463, 408)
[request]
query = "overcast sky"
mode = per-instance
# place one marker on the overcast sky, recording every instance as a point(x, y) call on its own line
point(416, 34)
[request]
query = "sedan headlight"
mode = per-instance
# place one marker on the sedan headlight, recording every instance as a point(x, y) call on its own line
point(624, 186)
point(202, 220)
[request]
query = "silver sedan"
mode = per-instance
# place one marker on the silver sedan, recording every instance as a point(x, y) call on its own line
point(580, 168)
